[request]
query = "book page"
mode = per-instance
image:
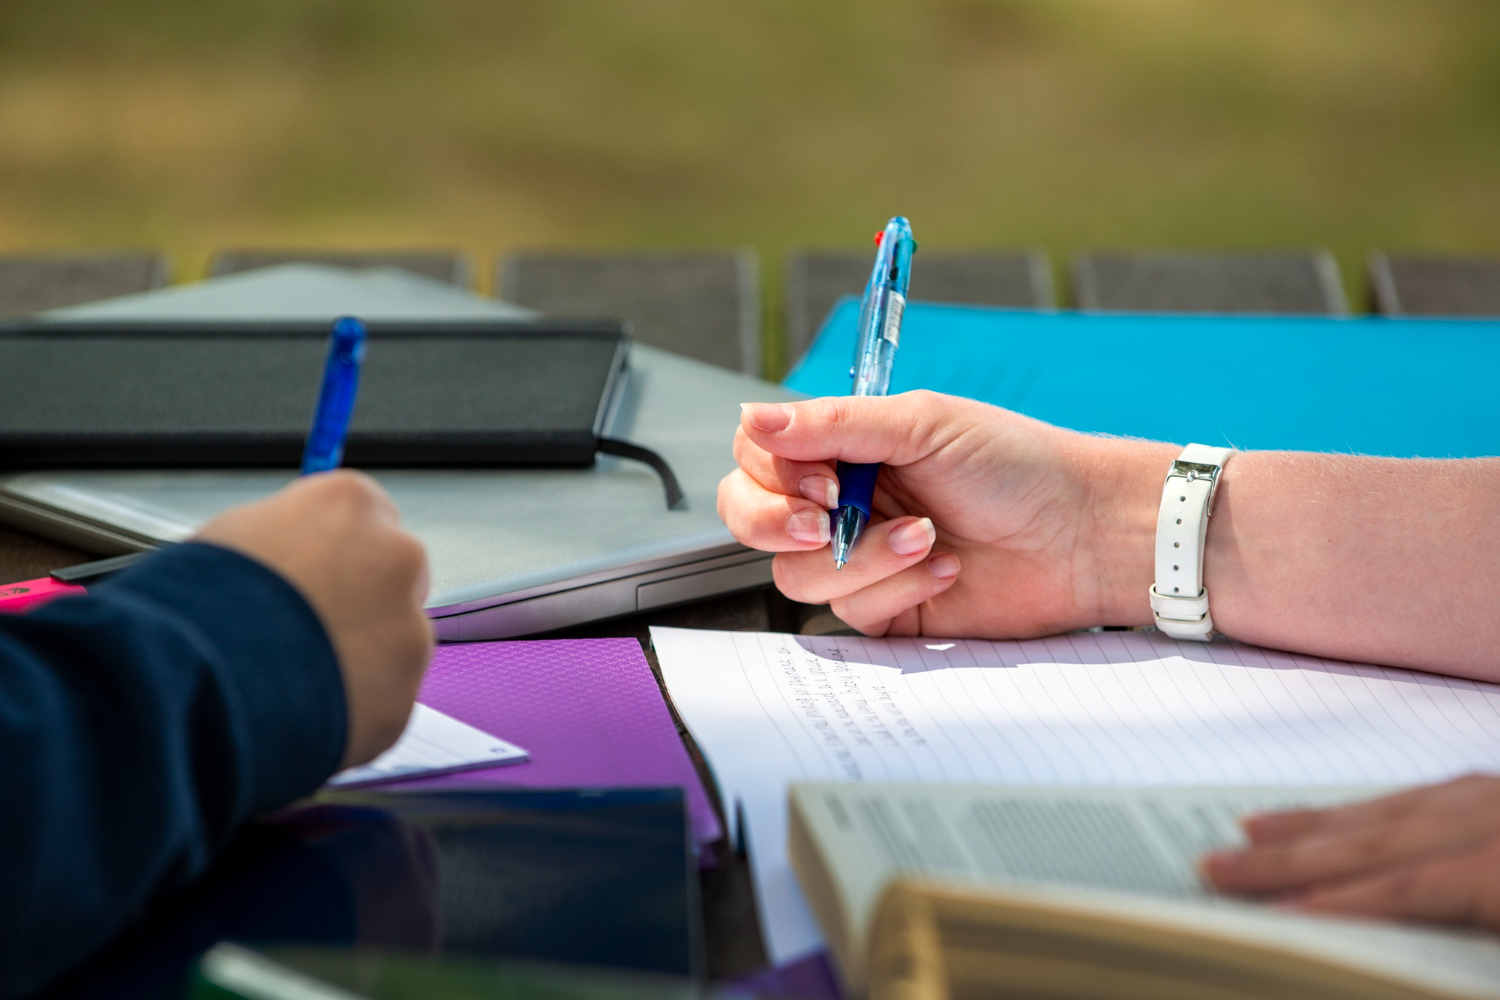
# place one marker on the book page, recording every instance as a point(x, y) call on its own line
point(1129, 840)
point(1144, 841)
point(433, 743)
point(1111, 708)
point(1129, 852)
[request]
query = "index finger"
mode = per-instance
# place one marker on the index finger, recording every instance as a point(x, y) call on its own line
point(1471, 794)
point(895, 430)
point(1332, 857)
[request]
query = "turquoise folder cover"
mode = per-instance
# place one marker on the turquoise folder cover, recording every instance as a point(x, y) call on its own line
point(1366, 385)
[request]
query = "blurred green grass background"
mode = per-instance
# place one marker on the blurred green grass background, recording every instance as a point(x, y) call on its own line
point(494, 124)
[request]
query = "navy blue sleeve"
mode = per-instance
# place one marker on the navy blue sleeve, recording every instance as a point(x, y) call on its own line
point(139, 726)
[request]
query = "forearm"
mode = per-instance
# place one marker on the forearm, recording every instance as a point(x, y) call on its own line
point(1385, 560)
point(142, 725)
point(1391, 561)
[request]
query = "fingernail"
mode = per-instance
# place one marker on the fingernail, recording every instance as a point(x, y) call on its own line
point(1291, 904)
point(808, 526)
point(767, 417)
point(1221, 862)
point(943, 565)
point(1258, 824)
point(913, 537)
point(820, 489)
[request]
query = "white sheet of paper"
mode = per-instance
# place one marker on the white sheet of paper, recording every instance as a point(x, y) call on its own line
point(433, 743)
point(1111, 708)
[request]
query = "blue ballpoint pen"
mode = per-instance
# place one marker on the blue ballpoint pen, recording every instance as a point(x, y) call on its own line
point(879, 335)
point(325, 441)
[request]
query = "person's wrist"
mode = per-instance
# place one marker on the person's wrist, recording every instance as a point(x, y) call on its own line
point(1125, 480)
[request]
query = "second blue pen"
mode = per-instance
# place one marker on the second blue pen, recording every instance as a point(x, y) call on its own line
point(874, 354)
point(330, 425)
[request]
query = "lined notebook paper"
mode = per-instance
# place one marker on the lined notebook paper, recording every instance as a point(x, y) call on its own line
point(1113, 708)
point(433, 743)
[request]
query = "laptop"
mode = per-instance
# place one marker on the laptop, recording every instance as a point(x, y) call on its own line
point(513, 551)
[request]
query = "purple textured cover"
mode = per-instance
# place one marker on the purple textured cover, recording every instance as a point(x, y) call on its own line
point(589, 712)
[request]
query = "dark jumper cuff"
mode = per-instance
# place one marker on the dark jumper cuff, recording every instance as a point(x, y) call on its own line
point(274, 661)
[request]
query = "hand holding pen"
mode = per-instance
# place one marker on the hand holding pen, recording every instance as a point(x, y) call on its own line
point(879, 335)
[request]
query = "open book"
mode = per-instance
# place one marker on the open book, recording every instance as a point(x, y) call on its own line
point(928, 892)
point(1116, 709)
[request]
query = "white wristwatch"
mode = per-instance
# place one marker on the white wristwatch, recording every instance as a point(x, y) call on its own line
point(1179, 601)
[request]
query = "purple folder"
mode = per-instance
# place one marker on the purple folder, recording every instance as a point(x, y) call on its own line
point(589, 712)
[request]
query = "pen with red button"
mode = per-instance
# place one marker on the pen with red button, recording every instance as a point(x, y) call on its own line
point(879, 335)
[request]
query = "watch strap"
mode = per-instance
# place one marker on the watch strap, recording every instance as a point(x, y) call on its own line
point(1179, 599)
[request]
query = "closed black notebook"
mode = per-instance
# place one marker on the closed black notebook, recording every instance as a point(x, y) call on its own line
point(244, 395)
point(236, 395)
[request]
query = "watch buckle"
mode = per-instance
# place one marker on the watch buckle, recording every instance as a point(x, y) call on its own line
point(1196, 470)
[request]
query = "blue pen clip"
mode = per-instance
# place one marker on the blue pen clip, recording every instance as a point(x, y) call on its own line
point(880, 317)
point(881, 310)
point(330, 425)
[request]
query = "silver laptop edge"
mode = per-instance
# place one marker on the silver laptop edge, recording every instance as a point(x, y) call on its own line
point(628, 589)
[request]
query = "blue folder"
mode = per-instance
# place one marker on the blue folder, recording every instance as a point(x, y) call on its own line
point(1367, 385)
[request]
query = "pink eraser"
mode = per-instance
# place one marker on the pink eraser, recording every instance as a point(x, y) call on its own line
point(30, 593)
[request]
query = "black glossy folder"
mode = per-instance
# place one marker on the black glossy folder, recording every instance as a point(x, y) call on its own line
point(603, 877)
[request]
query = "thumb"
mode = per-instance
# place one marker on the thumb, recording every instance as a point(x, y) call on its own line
point(895, 430)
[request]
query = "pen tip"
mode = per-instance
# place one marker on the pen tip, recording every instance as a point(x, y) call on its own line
point(846, 524)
